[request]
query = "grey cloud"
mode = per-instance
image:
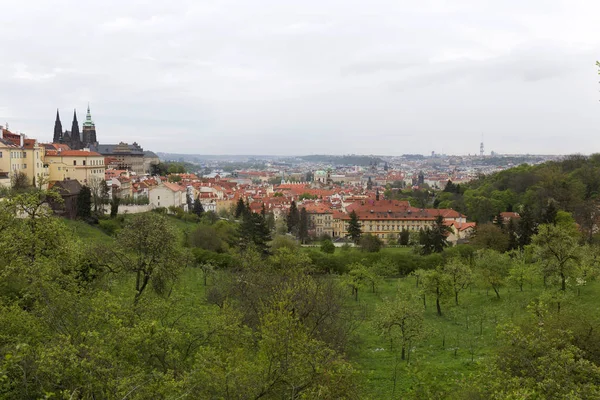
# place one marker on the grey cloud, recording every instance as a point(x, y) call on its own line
point(269, 76)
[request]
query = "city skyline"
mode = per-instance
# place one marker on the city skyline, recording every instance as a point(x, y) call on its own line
point(385, 78)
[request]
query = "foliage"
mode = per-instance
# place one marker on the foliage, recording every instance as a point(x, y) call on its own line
point(433, 239)
point(490, 236)
point(114, 205)
point(370, 243)
point(254, 231)
point(148, 247)
point(327, 246)
point(354, 228)
point(293, 219)
point(197, 208)
point(19, 182)
point(492, 268)
point(84, 203)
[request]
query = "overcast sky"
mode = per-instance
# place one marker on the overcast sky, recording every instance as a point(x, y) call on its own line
point(311, 76)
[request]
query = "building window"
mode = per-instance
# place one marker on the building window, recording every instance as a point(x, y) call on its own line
point(83, 162)
point(24, 166)
point(74, 162)
point(159, 197)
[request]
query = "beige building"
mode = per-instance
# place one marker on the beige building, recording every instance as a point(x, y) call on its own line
point(387, 218)
point(82, 165)
point(21, 155)
point(168, 194)
point(320, 219)
point(7, 161)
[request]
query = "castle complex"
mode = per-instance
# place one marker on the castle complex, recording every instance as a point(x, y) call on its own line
point(73, 138)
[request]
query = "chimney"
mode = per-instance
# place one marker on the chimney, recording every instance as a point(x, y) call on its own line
point(22, 135)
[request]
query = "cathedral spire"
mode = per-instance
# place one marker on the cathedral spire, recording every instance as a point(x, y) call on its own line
point(57, 129)
point(75, 137)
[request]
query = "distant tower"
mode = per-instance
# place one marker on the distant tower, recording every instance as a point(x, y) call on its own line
point(57, 129)
point(89, 130)
point(75, 137)
point(481, 149)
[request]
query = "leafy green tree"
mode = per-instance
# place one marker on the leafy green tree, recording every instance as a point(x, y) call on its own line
point(327, 246)
point(558, 252)
point(114, 204)
point(19, 182)
point(174, 178)
point(358, 277)
point(459, 275)
point(370, 243)
point(450, 187)
point(303, 226)
point(490, 236)
point(527, 227)
point(253, 230)
point(354, 227)
point(293, 219)
point(550, 213)
point(149, 248)
point(84, 203)
point(197, 208)
point(437, 283)
point(535, 362)
point(400, 321)
point(240, 208)
point(404, 237)
point(492, 268)
point(433, 239)
point(521, 271)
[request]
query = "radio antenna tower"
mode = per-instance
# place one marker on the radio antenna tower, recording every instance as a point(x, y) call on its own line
point(481, 146)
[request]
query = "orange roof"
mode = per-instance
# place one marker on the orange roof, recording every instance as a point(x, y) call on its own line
point(174, 187)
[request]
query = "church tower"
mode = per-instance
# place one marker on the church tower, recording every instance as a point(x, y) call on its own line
point(89, 130)
point(75, 137)
point(57, 129)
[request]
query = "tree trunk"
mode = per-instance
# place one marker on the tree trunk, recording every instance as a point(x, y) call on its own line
point(563, 282)
point(456, 297)
point(497, 292)
point(403, 356)
point(437, 304)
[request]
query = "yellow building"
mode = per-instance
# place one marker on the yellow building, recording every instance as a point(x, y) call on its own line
point(82, 165)
point(7, 151)
point(21, 155)
point(34, 164)
point(387, 218)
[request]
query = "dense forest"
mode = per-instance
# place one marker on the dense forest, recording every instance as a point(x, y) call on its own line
point(189, 306)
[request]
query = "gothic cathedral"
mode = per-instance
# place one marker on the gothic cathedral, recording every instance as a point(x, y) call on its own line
point(73, 138)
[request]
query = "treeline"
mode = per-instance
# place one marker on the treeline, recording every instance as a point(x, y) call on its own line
point(571, 185)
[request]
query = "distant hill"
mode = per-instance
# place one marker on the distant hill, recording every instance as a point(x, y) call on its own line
point(343, 160)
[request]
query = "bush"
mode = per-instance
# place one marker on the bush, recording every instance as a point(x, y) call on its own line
point(160, 210)
point(370, 243)
point(284, 241)
point(327, 246)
